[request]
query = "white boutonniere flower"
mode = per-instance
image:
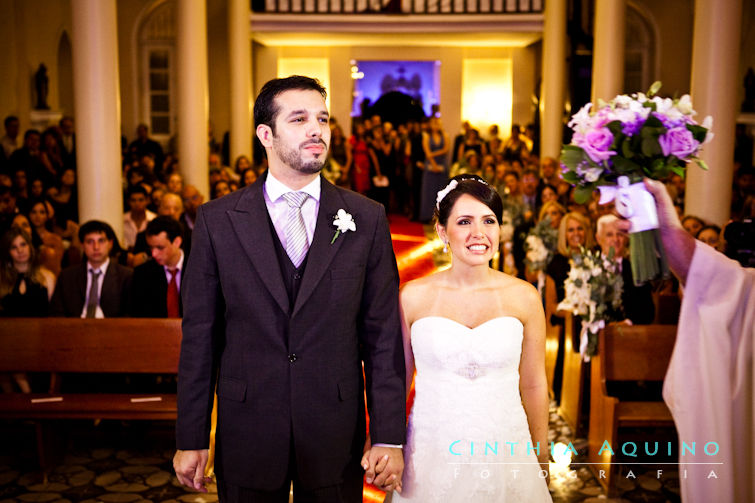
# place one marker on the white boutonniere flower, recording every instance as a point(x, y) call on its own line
point(344, 222)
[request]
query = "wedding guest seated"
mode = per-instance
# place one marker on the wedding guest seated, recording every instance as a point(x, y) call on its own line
point(574, 232)
point(98, 287)
point(25, 290)
point(192, 199)
point(25, 285)
point(637, 301)
point(135, 220)
point(692, 224)
point(175, 183)
point(710, 235)
point(157, 282)
point(51, 251)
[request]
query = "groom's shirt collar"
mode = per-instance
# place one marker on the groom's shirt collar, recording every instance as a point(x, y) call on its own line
point(278, 208)
point(274, 188)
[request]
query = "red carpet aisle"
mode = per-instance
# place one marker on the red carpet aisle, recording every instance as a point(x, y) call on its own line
point(414, 256)
point(413, 251)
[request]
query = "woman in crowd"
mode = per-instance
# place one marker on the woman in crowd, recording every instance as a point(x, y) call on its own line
point(248, 177)
point(476, 337)
point(64, 199)
point(51, 251)
point(340, 153)
point(362, 159)
point(710, 235)
point(574, 232)
point(435, 176)
point(548, 193)
point(25, 286)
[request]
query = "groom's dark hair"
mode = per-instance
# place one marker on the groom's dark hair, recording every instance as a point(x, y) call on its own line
point(475, 187)
point(265, 108)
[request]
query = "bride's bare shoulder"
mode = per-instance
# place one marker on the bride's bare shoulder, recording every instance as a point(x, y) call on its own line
point(419, 289)
point(515, 286)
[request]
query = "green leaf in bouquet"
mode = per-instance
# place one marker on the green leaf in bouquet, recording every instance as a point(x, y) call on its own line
point(698, 132)
point(614, 127)
point(624, 166)
point(571, 155)
point(571, 177)
point(679, 170)
point(658, 169)
point(652, 123)
point(583, 194)
point(651, 147)
point(703, 165)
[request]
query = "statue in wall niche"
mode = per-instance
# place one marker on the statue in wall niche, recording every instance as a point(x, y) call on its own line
point(748, 105)
point(42, 86)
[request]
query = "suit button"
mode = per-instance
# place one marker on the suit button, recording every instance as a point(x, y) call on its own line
point(292, 357)
point(297, 276)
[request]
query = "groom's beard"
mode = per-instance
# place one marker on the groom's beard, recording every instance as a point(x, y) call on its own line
point(293, 157)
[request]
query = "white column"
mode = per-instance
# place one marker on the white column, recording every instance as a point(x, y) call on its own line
point(715, 60)
point(193, 94)
point(554, 77)
point(608, 52)
point(98, 111)
point(240, 64)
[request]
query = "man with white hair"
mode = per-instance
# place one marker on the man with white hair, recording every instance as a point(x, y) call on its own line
point(636, 301)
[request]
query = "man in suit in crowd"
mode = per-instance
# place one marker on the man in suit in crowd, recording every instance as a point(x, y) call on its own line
point(283, 307)
point(157, 282)
point(636, 301)
point(98, 287)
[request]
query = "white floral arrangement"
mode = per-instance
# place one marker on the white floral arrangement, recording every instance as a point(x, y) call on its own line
point(593, 292)
point(540, 245)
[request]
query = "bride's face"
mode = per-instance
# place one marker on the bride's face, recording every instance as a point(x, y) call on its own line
point(472, 231)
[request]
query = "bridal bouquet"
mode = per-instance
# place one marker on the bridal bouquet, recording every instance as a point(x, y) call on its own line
point(616, 144)
point(592, 292)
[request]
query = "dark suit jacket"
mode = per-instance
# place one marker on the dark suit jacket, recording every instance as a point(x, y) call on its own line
point(70, 291)
point(150, 291)
point(637, 301)
point(290, 374)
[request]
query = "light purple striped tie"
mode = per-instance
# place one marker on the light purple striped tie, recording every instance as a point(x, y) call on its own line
point(296, 232)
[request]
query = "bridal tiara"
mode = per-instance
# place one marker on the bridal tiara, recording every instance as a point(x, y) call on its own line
point(451, 186)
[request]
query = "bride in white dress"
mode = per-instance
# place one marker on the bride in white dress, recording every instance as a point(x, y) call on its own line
point(476, 337)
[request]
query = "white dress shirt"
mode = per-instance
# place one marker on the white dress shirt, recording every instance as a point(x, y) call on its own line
point(100, 279)
point(278, 208)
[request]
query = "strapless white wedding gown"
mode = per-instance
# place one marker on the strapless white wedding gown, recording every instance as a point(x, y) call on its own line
point(468, 437)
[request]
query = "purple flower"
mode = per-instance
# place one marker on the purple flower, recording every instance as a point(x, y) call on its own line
point(632, 128)
point(596, 144)
point(678, 142)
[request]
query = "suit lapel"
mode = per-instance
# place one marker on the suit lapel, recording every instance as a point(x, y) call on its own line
point(81, 284)
point(250, 221)
point(321, 253)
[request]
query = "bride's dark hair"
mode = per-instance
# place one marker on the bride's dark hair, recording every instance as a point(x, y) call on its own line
point(475, 187)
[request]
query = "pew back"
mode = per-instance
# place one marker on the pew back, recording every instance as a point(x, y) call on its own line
point(111, 345)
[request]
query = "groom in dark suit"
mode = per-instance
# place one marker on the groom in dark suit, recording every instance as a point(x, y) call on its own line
point(291, 286)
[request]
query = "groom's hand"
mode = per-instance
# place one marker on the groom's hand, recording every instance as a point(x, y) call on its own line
point(384, 466)
point(190, 466)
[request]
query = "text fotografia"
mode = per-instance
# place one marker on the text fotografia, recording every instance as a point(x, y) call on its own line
point(630, 449)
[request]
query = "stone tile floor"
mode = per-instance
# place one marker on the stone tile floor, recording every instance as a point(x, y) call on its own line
point(131, 462)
